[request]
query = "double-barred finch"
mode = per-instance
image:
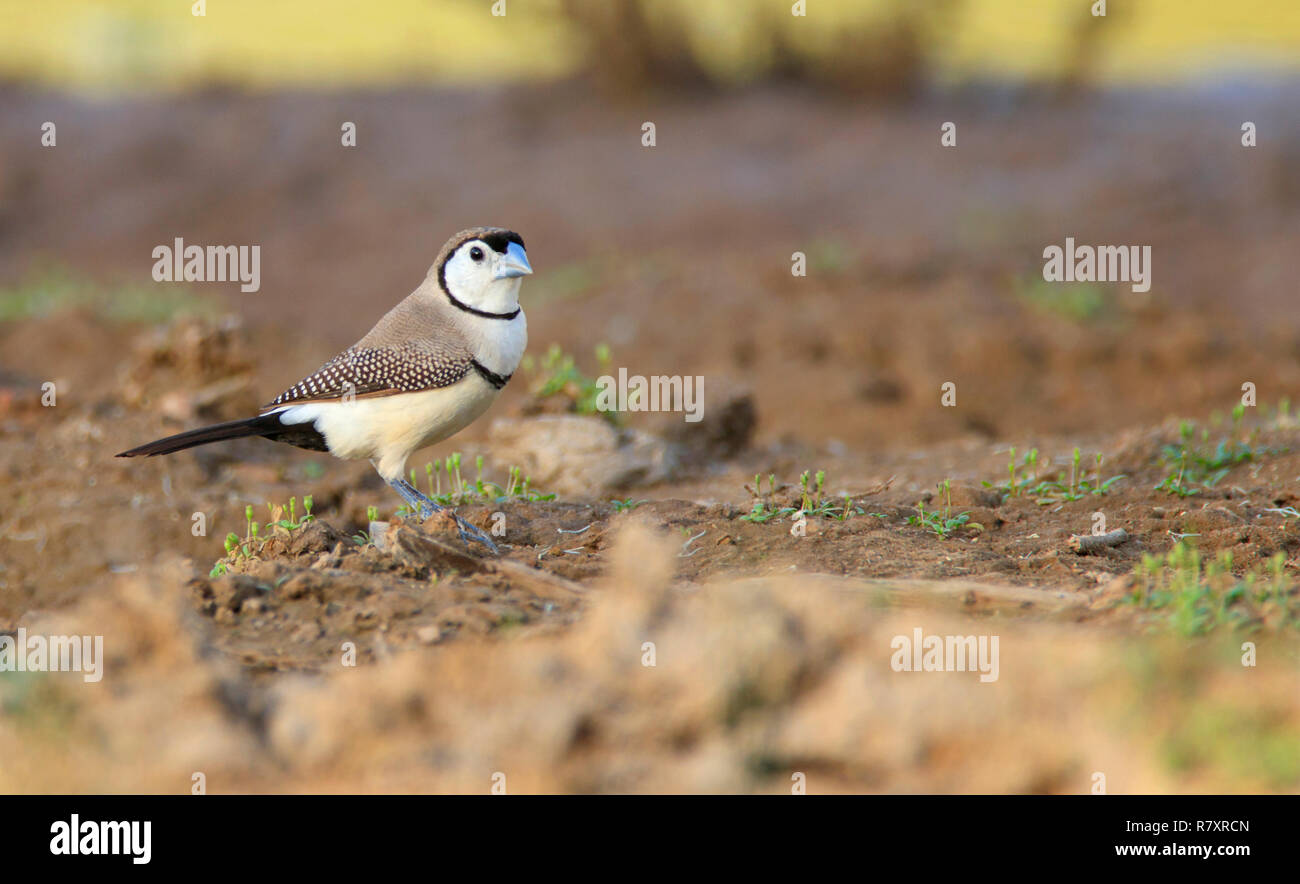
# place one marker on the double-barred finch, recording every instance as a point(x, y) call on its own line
point(428, 368)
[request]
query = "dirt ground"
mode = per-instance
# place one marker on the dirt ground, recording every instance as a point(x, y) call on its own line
point(411, 662)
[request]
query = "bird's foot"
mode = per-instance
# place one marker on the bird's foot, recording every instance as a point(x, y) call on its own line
point(470, 532)
point(426, 507)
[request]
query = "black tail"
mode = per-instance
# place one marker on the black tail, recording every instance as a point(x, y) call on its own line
point(267, 425)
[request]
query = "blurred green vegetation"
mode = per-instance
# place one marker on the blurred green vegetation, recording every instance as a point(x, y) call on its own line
point(882, 46)
point(1079, 302)
point(54, 290)
point(1245, 743)
point(1206, 714)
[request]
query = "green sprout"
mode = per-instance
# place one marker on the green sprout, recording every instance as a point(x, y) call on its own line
point(1191, 597)
point(282, 520)
point(1016, 486)
point(812, 486)
point(1200, 466)
point(481, 490)
point(559, 376)
point(765, 508)
point(1075, 486)
point(941, 522)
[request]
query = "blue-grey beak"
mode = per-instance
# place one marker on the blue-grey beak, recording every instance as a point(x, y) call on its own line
point(515, 262)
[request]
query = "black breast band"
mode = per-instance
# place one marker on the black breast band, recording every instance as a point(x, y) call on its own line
point(496, 380)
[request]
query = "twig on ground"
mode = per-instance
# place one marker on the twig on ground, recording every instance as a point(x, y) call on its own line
point(1089, 543)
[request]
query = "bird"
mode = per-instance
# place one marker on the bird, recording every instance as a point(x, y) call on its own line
point(430, 367)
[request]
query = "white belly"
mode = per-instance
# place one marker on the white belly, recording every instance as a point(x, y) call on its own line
point(387, 429)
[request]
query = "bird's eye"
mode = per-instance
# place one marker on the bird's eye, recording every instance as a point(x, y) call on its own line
point(476, 254)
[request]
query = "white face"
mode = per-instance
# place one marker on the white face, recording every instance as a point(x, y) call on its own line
point(481, 277)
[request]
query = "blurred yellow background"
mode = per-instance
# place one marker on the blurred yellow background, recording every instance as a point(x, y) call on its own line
point(93, 45)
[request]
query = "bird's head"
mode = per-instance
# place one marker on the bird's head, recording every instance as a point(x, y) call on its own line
point(481, 269)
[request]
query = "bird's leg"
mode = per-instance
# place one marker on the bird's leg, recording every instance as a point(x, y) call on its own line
point(421, 504)
point(414, 499)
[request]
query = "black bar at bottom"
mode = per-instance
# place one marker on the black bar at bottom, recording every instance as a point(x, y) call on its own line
point(334, 834)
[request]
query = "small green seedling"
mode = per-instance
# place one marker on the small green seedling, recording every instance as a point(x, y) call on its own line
point(559, 376)
point(481, 490)
point(254, 540)
point(1201, 467)
point(765, 508)
point(292, 522)
point(1022, 479)
point(1193, 598)
point(363, 538)
point(812, 486)
point(941, 522)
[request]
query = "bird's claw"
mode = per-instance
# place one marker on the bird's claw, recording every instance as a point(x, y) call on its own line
point(424, 507)
point(469, 532)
